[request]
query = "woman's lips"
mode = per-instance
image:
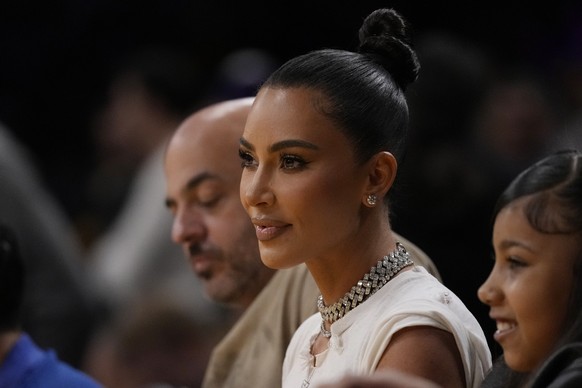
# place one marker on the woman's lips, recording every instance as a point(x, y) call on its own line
point(268, 229)
point(266, 233)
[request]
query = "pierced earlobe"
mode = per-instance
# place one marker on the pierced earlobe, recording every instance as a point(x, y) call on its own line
point(371, 200)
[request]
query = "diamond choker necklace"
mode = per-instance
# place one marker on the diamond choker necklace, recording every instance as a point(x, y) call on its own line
point(386, 268)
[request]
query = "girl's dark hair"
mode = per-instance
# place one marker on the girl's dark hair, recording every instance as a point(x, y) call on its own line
point(363, 92)
point(554, 185)
point(11, 280)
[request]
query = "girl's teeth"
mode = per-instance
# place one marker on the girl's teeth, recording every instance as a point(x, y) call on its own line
point(501, 326)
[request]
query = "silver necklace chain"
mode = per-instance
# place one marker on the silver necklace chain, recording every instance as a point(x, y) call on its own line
point(386, 268)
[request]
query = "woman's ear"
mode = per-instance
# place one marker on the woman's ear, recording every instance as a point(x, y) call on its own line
point(382, 172)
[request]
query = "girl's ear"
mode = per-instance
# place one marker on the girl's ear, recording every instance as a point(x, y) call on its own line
point(382, 172)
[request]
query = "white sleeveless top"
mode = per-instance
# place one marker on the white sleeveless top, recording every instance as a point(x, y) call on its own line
point(413, 298)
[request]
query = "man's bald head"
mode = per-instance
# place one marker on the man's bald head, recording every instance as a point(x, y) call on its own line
point(202, 169)
point(225, 118)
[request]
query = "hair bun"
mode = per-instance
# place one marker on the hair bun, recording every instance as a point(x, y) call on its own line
point(385, 37)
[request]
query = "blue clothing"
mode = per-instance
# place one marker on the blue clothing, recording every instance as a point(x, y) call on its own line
point(28, 366)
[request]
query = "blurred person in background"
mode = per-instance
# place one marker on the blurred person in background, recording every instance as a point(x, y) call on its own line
point(137, 271)
point(141, 272)
point(514, 126)
point(58, 308)
point(22, 362)
point(567, 69)
point(154, 343)
point(436, 197)
point(474, 125)
point(129, 255)
point(240, 72)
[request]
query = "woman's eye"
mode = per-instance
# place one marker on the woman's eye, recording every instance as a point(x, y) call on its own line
point(246, 159)
point(292, 162)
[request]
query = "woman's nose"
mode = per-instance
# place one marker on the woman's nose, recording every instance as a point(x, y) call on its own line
point(255, 188)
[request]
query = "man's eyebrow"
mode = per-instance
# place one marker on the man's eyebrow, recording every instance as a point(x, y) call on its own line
point(282, 145)
point(198, 179)
point(192, 183)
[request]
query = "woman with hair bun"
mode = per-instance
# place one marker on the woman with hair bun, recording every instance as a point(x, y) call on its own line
point(320, 152)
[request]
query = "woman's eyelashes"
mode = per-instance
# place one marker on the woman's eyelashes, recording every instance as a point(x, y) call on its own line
point(246, 158)
point(287, 162)
point(292, 162)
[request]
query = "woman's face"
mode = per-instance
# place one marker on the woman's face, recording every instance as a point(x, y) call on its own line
point(529, 287)
point(300, 184)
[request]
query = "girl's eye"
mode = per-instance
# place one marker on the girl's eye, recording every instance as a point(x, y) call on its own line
point(292, 162)
point(246, 159)
point(515, 263)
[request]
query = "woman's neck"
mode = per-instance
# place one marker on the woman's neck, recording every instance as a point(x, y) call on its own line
point(337, 273)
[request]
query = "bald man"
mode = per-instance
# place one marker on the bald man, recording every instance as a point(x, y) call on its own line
point(202, 170)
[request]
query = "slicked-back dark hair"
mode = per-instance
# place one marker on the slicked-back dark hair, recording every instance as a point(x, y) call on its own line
point(362, 92)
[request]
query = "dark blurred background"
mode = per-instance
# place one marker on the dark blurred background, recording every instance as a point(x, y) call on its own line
point(56, 57)
point(500, 85)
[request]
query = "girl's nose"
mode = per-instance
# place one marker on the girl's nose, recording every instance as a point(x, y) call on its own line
point(489, 293)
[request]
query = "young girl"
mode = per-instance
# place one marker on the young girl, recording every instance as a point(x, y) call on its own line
point(535, 287)
point(320, 152)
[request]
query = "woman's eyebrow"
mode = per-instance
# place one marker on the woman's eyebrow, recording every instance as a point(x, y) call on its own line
point(281, 144)
point(244, 142)
point(292, 143)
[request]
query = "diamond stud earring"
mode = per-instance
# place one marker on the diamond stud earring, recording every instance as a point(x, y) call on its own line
point(371, 199)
